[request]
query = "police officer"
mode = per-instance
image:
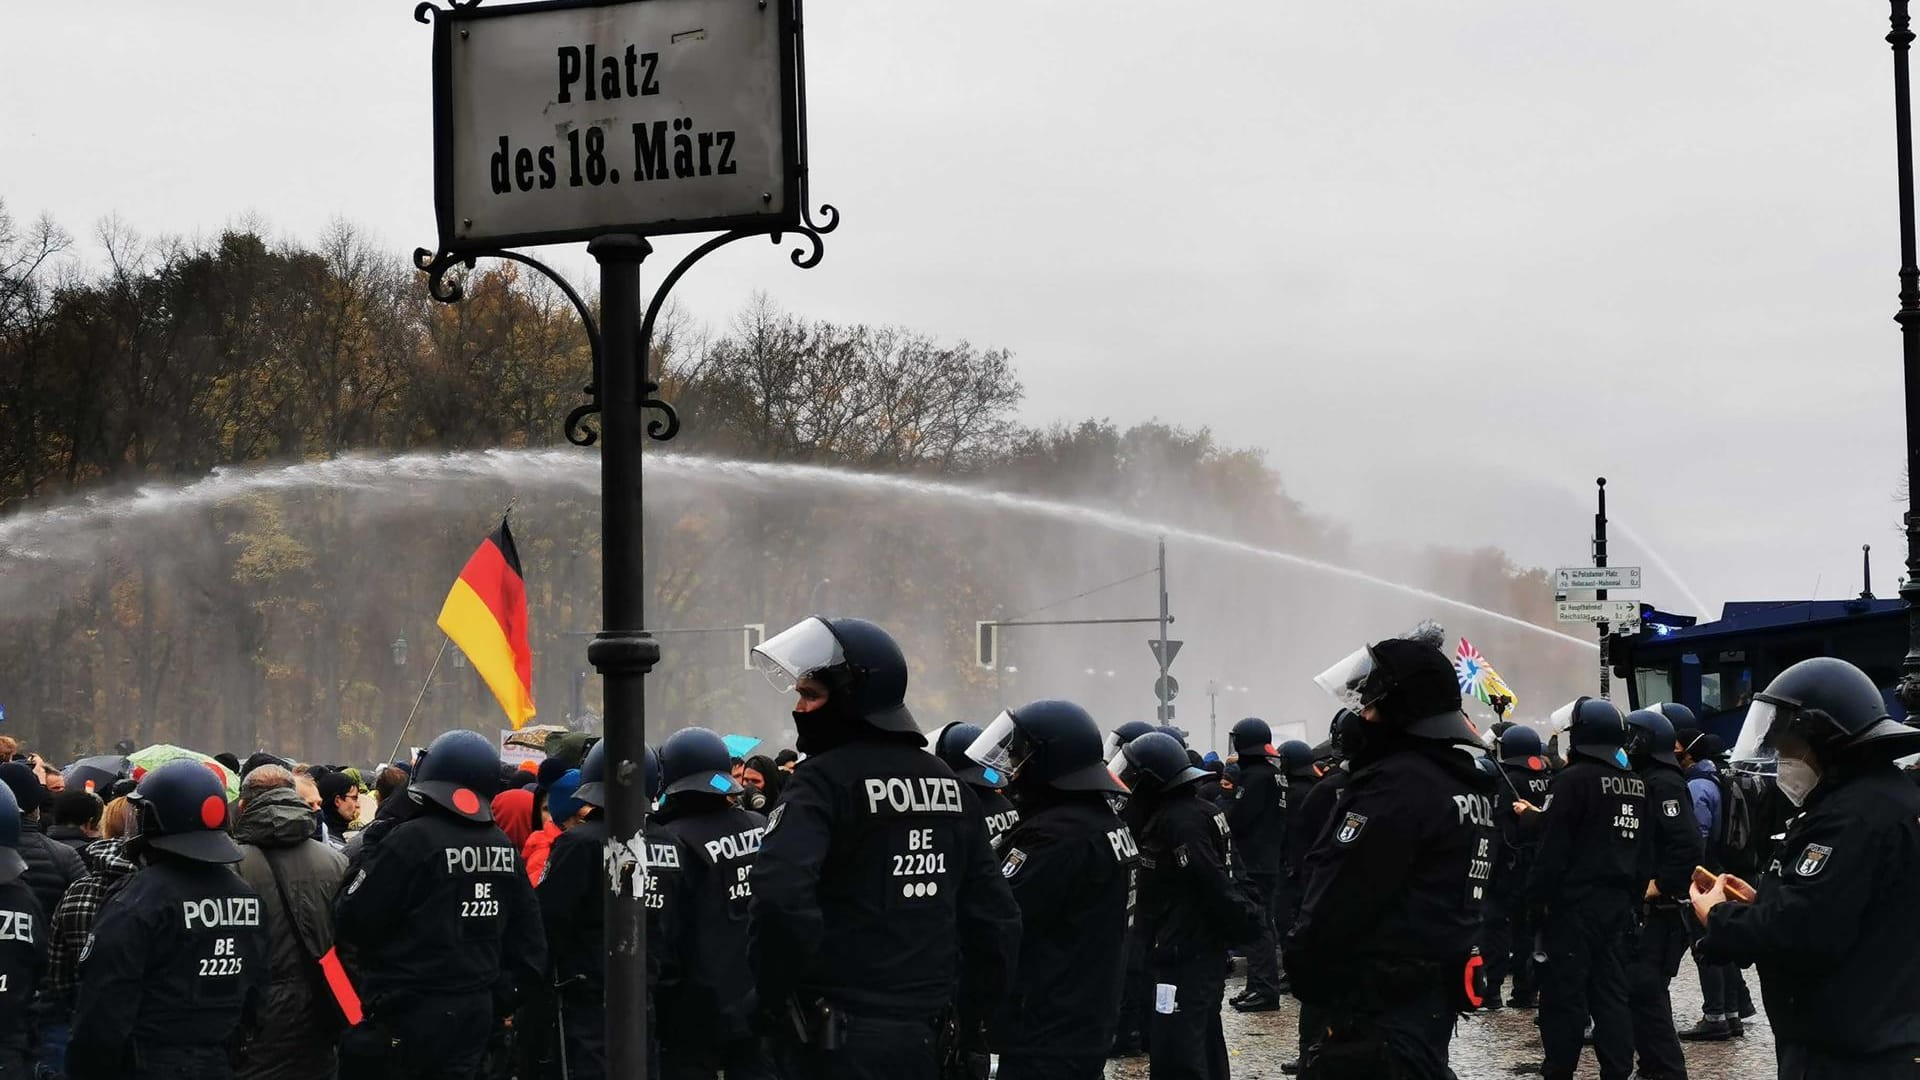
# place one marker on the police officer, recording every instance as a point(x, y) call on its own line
point(572, 898)
point(1136, 995)
point(1832, 928)
point(1257, 818)
point(1070, 862)
point(876, 894)
point(1299, 775)
point(441, 921)
point(1395, 886)
point(1194, 909)
point(23, 946)
point(1587, 883)
point(1509, 938)
point(1662, 941)
point(1310, 818)
point(987, 783)
point(700, 852)
point(176, 964)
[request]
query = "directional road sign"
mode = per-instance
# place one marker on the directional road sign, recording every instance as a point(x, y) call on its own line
point(1596, 577)
point(1594, 611)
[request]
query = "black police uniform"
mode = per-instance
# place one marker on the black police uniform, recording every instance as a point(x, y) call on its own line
point(999, 812)
point(1195, 913)
point(1136, 982)
point(1391, 909)
point(1508, 941)
point(23, 960)
point(1310, 819)
point(875, 889)
point(1587, 882)
point(175, 966)
point(573, 909)
point(700, 855)
point(1071, 866)
point(1296, 789)
point(1661, 943)
point(1833, 930)
point(443, 928)
point(1257, 819)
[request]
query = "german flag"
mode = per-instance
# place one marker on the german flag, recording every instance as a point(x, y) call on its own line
point(486, 617)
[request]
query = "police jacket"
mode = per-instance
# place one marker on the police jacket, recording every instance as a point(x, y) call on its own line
point(296, 1034)
point(1298, 833)
point(999, 812)
point(700, 855)
point(23, 959)
point(573, 905)
point(1833, 931)
point(437, 906)
point(1189, 903)
point(875, 887)
point(1594, 843)
point(1071, 867)
point(1675, 836)
point(178, 960)
point(1520, 833)
point(1398, 880)
point(1315, 810)
point(51, 866)
point(1257, 817)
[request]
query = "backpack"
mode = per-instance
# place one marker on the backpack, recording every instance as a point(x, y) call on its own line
point(1741, 795)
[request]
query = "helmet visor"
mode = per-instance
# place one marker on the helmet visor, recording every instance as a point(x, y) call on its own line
point(1343, 679)
point(1001, 747)
point(797, 652)
point(1122, 767)
point(1754, 751)
point(1562, 717)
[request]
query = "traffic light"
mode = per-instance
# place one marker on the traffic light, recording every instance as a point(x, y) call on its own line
point(987, 644)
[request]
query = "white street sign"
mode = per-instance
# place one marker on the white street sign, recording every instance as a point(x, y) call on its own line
point(1608, 611)
point(563, 122)
point(1596, 577)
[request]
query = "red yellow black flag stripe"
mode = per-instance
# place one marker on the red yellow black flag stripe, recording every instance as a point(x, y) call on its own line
point(486, 617)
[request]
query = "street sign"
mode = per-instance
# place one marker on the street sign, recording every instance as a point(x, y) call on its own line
point(752, 634)
point(1166, 689)
point(1594, 611)
point(1173, 650)
point(1596, 577)
point(566, 121)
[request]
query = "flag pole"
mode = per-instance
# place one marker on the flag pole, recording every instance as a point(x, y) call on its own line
point(418, 698)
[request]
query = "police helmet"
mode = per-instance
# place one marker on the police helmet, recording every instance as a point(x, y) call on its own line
point(861, 665)
point(950, 746)
point(1154, 762)
point(1179, 733)
point(1520, 747)
point(1594, 728)
point(1123, 735)
point(1345, 733)
point(1831, 705)
point(11, 864)
point(1055, 743)
point(695, 759)
point(1650, 737)
point(1296, 758)
point(458, 772)
point(182, 809)
point(593, 776)
point(1678, 715)
point(1252, 738)
point(1413, 687)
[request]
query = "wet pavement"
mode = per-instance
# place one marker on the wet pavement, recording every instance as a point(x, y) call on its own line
point(1489, 1044)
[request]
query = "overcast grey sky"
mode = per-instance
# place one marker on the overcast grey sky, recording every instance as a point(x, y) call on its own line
point(1446, 262)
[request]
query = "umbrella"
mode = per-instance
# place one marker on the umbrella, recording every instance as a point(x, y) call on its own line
point(151, 758)
point(741, 745)
point(96, 773)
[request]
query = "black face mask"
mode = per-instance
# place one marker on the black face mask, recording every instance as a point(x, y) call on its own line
point(824, 728)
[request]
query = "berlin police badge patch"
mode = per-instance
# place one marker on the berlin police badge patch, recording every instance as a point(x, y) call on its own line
point(1350, 827)
point(1015, 859)
point(1670, 807)
point(1813, 860)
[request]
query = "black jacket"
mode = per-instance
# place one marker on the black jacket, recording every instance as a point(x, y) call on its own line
point(573, 904)
point(1833, 930)
point(71, 835)
point(23, 960)
point(999, 813)
point(1257, 818)
point(700, 854)
point(1071, 868)
point(1188, 902)
point(178, 960)
point(1299, 832)
point(1676, 846)
point(1398, 879)
point(51, 867)
point(439, 906)
point(875, 888)
point(1595, 842)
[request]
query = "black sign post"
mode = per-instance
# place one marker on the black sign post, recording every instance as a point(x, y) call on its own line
point(536, 142)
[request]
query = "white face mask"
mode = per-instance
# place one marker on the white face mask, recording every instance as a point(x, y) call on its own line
point(1797, 779)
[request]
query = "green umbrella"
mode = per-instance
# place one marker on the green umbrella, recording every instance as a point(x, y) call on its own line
point(145, 761)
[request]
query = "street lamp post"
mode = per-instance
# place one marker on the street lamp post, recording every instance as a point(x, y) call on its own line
point(1901, 37)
